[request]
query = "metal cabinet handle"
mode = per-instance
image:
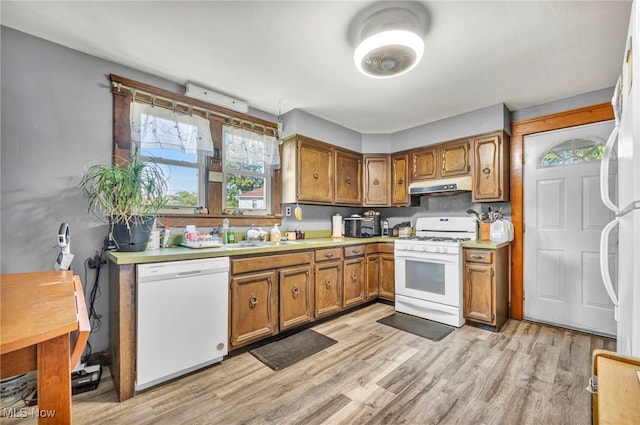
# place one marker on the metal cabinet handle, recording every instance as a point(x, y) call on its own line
point(356, 251)
point(400, 181)
point(253, 300)
point(328, 284)
point(328, 254)
point(316, 176)
point(295, 292)
point(348, 180)
point(354, 276)
point(486, 171)
point(477, 257)
point(376, 182)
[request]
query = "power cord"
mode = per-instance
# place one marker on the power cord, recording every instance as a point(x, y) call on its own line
point(95, 319)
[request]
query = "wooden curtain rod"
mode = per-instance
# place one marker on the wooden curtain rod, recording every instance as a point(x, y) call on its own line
point(185, 104)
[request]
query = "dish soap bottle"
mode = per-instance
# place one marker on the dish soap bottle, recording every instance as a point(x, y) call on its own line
point(225, 230)
point(275, 234)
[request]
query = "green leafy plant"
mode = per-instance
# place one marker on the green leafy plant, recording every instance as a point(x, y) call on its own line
point(125, 194)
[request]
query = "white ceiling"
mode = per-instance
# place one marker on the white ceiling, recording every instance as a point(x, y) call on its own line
point(283, 55)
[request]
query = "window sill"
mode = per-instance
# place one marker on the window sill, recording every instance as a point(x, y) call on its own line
point(215, 220)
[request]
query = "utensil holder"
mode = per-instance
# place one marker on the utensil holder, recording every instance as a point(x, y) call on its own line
point(485, 231)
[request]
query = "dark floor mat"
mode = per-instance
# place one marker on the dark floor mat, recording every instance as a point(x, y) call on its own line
point(285, 352)
point(417, 326)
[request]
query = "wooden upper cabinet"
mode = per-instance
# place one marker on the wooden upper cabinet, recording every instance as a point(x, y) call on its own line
point(348, 177)
point(399, 177)
point(307, 171)
point(454, 158)
point(376, 180)
point(423, 163)
point(441, 161)
point(490, 168)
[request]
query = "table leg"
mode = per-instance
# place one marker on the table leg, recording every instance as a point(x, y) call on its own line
point(54, 381)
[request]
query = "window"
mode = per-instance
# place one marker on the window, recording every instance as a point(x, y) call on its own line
point(574, 151)
point(177, 134)
point(248, 158)
point(179, 143)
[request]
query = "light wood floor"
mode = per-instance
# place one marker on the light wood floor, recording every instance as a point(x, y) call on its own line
point(525, 374)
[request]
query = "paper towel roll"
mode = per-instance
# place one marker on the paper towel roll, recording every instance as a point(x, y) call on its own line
point(336, 226)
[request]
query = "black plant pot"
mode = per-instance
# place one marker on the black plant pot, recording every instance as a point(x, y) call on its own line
point(137, 238)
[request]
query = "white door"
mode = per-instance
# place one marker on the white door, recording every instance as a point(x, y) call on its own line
point(563, 219)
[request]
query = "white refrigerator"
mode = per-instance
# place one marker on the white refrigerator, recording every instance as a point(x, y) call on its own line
point(624, 145)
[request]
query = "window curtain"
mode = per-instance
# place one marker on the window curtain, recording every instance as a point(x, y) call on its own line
point(154, 127)
point(249, 147)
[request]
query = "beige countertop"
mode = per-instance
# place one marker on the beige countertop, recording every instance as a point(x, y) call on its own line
point(176, 253)
point(484, 244)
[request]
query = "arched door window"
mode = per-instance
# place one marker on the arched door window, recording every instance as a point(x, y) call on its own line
point(574, 151)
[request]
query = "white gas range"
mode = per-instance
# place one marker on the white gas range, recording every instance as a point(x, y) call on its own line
point(428, 268)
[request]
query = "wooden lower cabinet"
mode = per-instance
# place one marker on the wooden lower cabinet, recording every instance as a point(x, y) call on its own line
point(380, 271)
point(254, 310)
point(486, 286)
point(353, 282)
point(372, 287)
point(328, 288)
point(296, 301)
point(387, 289)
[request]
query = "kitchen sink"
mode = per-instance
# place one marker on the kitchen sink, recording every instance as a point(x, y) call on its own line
point(246, 244)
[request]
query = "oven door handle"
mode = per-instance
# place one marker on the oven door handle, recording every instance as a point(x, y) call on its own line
point(429, 258)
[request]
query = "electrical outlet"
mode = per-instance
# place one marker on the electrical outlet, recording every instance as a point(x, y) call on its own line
point(287, 211)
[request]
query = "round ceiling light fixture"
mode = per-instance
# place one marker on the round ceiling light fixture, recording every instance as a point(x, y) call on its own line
point(389, 38)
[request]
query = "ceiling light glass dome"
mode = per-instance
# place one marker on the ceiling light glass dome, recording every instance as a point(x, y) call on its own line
point(388, 38)
point(389, 53)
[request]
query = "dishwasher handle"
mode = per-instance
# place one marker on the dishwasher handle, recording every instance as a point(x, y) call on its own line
point(179, 269)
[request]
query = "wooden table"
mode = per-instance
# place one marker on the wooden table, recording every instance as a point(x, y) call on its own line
point(617, 401)
point(43, 315)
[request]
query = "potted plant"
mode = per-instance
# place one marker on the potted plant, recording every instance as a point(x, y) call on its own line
point(129, 195)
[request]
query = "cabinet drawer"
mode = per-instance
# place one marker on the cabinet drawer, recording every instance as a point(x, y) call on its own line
point(328, 254)
point(478, 256)
point(261, 263)
point(353, 251)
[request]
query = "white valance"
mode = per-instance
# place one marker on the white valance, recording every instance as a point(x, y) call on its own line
point(248, 147)
point(154, 127)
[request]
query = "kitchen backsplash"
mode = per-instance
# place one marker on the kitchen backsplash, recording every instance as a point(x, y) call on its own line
point(318, 217)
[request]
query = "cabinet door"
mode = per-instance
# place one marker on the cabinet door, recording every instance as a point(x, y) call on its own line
point(423, 164)
point(387, 277)
point(371, 276)
point(399, 176)
point(315, 172)
point(479, 304)
point(295, 297)
point(490, 182)
point(353, 282)
point(254, 307)
point(328, 288)
point(454, 158)
point(376, 180)
point(348, 178)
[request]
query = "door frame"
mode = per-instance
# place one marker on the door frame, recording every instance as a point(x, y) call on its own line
point(520, 129)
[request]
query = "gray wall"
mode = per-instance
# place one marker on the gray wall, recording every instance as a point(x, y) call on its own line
point(57, 114)
point(57, 117)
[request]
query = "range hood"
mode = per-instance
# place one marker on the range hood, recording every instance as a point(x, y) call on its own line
point(444, 186)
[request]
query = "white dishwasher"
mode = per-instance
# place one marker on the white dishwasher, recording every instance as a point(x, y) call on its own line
point(182, 318)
